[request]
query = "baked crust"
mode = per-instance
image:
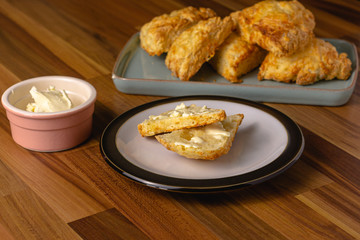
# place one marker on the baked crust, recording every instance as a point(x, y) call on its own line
point(211, 147)
point(181, 117)
point(236, 57)
point(157, 35)
point(318, 61)
point(281, 27)
point(196, 45)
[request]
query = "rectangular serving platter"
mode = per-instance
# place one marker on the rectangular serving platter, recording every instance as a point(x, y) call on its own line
point(136, 72)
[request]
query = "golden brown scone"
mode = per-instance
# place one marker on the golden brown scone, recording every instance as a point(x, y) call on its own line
point(318, 61)
point(157, 35)
point(181, 117)
point(208, 142)
point(281, 27)
point(236, 57)
point(197, 45)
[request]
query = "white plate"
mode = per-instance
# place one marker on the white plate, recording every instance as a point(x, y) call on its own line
point(267, 143)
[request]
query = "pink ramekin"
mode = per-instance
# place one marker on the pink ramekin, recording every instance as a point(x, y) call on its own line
point(50, 132)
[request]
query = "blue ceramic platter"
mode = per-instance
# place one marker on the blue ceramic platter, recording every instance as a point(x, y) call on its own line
point(135, 72)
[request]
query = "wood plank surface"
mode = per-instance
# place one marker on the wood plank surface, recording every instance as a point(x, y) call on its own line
point(75, 194)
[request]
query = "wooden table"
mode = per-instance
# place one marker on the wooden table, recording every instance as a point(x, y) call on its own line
point(75, 194)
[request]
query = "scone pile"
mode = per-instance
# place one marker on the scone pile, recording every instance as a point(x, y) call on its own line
point(277, 35)
point(193, 131)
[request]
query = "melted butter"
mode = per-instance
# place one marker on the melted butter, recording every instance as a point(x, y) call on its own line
point(216, 130)
point(152, 117)
point(187, 145)
point(181, 111)
point(196, 140)
point(181, 106)
point(175, 114)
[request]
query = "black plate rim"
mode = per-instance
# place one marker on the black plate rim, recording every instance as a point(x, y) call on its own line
point(117, 161)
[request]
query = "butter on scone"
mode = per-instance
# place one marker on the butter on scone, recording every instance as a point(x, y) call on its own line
point(179, 118)
point(207, 142)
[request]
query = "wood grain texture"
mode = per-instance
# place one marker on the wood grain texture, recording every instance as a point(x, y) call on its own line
point(154, 211)
point(24, 215)
point(75, 194)
point(109, 223)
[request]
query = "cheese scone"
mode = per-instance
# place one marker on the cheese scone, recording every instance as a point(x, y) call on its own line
point(318, 61)
point(208, 142)
point(236, 57)
point(181, 117)
point(281, 27)
point(157, 35)
point(196, 45)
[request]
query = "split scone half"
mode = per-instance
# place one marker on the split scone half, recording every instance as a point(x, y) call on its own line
point(236, 57)
point(207, 142)
point(197, 45)
point(157, 35)
point(281, 27)
point(181, 117)
point(318, 61)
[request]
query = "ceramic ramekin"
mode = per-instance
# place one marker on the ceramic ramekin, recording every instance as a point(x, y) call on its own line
point(50, 132)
